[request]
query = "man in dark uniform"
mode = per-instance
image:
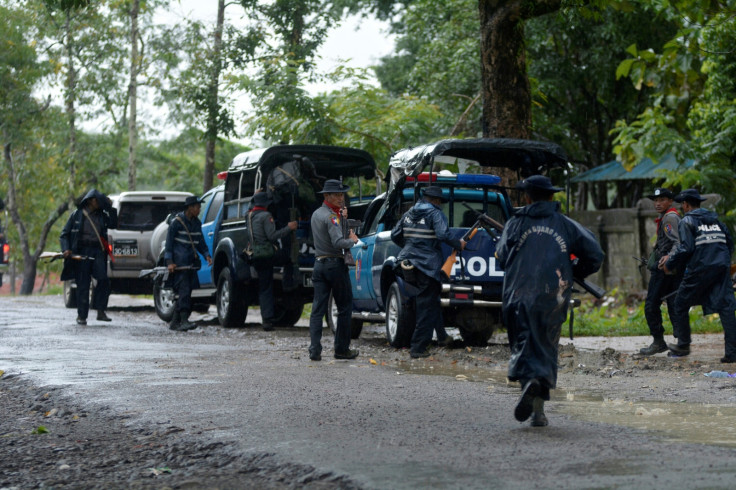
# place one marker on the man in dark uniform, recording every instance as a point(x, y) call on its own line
point(704, 253)
point(330, 271)
point(264, 231)
point(661, 284)
point(419, 232)
point(535, 252)
point(183, 241)
point(85, 236)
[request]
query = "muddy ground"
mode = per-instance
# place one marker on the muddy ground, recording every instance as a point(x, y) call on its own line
point(51, 437)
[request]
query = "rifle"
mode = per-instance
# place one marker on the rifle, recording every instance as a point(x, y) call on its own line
point(161, 270)
point(58, 255)
point(294, 251)
point(588, 286)
point(450, 262)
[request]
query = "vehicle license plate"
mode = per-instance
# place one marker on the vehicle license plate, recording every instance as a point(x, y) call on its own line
point(307, 280)
point(125, 248)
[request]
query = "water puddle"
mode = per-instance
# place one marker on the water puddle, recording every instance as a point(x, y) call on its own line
point(678, 421)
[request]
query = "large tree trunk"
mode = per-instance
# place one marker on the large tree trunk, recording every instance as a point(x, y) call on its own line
point(214, 106)
point(507, 100)
point(133, 96)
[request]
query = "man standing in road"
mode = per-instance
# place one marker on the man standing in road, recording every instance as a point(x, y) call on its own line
point(661, 284)
point(420, 232)
point(536, 252)
point(183, 240)
point(704, 252)
point(330, 271)
point(85, 249)
point(264, 232)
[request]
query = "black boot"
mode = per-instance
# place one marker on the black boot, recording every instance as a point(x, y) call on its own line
point(185, 323)
point(659, 345)
point(538, 417)
point(175, 322)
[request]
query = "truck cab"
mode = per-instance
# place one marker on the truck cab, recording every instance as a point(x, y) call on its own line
point(471, 295)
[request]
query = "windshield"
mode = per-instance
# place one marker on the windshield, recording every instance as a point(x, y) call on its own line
point(144, 216)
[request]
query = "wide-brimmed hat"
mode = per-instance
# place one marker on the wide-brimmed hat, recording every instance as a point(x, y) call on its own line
point(539, 182)
point(689, 195)
point(333, 186)
point(661, 192)
point(191, 201)
point(434, 191)
point(262, 199)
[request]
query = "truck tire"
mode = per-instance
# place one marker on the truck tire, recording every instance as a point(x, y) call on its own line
point(231, 310)
point(163, 300)
point(70, 295)
point(400, 318)
point(356, 326)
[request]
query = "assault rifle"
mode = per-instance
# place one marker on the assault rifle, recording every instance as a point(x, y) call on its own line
point(51, 256)
point(161, 270)
point(488, 222)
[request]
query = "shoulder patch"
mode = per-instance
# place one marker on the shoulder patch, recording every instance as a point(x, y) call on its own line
point(668, 228)
point(335, 220)
point(270, 218)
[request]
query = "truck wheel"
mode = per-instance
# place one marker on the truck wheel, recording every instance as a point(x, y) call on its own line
point(400, 319)
point(230, 308)
point(163, 300)
point(70, 295)
point(356, 326)
point(287, 316)
point(478, 338)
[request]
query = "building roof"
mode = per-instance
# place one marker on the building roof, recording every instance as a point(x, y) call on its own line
point(646, 169)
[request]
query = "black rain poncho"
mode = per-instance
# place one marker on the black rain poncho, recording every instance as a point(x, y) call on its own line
point(534, 252)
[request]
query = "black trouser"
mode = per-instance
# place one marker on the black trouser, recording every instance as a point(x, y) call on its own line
point(84, 272)
point(184, 282)
point(713, 287)
point(331, 275)
point(264, 268)
point(660, 285)
point(428, 312)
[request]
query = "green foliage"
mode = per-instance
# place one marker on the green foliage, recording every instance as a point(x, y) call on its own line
point(692, 105)
point(360, 116)
point(437, 57)
point(573, 56)
point(41, 429)
point(615, 318)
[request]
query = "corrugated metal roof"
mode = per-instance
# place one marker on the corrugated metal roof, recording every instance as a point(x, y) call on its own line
point(645, 170)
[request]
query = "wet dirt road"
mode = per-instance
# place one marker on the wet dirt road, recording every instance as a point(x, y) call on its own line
point(443, 422)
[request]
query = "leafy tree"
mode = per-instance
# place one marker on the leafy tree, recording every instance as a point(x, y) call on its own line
point(22, 120)
point(692, 108)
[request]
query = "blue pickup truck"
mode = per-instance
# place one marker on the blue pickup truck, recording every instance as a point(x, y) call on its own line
point(471, 297)
point(163, 296)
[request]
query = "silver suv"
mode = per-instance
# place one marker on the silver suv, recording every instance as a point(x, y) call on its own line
point(139, 212)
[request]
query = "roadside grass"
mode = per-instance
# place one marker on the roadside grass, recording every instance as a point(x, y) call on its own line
point(614, 318)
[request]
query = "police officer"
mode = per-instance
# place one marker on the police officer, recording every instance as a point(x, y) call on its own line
point(419, 232)
point(535, 252)
point(264, 231)
point(705, 253)
point(85, 236)
point(331, 272)
point(183, 240)
point(661, 284)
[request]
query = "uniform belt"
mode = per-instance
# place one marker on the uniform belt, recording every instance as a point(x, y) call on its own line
point(324, 258)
